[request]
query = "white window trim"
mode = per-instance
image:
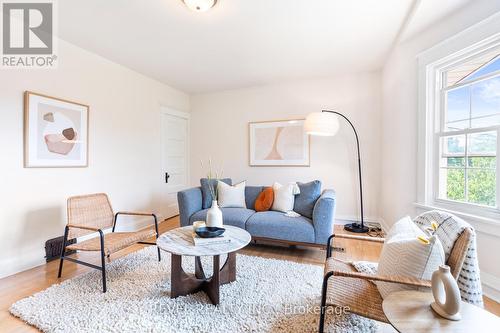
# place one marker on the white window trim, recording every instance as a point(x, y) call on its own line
point(431, 63)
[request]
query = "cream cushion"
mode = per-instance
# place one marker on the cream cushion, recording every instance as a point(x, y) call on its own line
point(231, 196)
point(404, 255)
point(284, 197)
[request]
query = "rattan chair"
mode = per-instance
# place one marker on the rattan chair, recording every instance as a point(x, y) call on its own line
point(344, 286)
point(92, 213)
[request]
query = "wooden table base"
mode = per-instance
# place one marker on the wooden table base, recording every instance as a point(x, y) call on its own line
point(184, 283)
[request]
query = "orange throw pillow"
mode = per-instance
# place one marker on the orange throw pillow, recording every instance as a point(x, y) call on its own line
point(264, 200)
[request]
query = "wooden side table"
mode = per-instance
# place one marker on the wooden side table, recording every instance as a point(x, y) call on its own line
point(410, 311)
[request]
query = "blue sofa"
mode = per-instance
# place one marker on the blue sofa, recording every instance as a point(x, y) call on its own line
point(312, 228)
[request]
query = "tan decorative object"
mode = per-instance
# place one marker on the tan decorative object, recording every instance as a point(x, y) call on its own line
point(55, 132)
point(279, 143)
point(198, 224)
point(446, 294)
point(92, 214)
point(409, 311)
point(343, 286)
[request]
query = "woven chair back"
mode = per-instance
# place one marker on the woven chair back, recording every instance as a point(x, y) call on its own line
point(459, 252)
point(93, 210)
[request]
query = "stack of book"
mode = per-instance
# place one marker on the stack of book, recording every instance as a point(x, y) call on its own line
point(199, 241)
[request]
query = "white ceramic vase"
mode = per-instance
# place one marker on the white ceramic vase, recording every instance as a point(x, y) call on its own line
point(446, 294)
point(214, 216)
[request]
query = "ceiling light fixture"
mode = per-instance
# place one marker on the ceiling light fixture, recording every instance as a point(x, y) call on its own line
point(200, 5)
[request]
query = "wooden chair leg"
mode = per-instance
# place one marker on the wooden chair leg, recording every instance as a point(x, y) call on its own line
point(323, 302)
point(63, 250)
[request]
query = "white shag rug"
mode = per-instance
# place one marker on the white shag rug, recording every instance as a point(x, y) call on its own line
point(268, 295)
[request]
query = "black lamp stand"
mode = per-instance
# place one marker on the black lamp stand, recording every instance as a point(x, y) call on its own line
point(355, 227)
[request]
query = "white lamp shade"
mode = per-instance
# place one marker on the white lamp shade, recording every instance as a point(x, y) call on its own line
point(321, 123)
point(200, 5)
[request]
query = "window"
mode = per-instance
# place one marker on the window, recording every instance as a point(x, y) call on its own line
point(467, 131)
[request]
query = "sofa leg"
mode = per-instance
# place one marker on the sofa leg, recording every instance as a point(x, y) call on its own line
point(323, 302)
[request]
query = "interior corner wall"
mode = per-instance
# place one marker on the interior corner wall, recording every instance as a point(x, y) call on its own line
point(219, 129)
point(399, 109)
point(400, 119)
point(124, 149)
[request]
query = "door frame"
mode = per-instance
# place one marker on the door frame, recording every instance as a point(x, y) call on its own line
point(167, 110)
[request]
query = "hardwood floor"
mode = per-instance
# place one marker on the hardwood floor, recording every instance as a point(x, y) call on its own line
point(26, 283)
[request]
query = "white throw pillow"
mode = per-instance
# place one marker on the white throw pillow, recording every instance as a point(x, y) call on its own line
point(231, 196)
point(284, 196)
point(404, 255)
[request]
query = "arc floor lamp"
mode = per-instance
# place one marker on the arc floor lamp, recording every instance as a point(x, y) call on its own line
point(325, 123)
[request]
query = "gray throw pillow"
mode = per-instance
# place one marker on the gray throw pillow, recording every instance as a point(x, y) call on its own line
point(206, 197)
point(305, 200)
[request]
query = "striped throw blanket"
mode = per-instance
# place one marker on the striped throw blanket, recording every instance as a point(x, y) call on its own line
point(449, 229)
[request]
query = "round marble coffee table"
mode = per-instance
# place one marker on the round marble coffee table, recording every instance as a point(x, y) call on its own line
point(179, 242)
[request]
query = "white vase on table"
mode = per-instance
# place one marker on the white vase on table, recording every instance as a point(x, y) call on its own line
point(214, 216)
point(446, 294)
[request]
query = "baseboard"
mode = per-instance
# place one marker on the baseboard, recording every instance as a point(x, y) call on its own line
point(384, 225)
point(20, 264)
point(491, 286)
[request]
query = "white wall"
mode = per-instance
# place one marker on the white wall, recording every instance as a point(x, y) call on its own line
point(400, 119)
point(124, 150)
point(219, 128)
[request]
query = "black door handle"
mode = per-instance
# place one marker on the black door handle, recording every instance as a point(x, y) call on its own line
point(167, 176)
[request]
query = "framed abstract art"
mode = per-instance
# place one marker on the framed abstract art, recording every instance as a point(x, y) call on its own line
point(279, 143)
point(55, 132)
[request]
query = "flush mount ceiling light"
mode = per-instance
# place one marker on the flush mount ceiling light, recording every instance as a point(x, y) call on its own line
point(200, 5)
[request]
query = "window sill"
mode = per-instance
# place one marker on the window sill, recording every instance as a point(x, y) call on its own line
point(481, 224)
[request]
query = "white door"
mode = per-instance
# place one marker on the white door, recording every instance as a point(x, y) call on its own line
point(175, 153)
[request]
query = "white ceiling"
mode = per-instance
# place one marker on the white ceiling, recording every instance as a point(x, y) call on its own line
point(240, 42)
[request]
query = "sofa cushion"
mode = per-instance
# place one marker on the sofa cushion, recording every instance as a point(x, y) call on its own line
point(305, 200)
point(284, 196)
point(251, 193)
point(231, 216)
point(403, 254)
point(276, 225)
point(264, 200)
point(205, 190)
point(231, 196)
